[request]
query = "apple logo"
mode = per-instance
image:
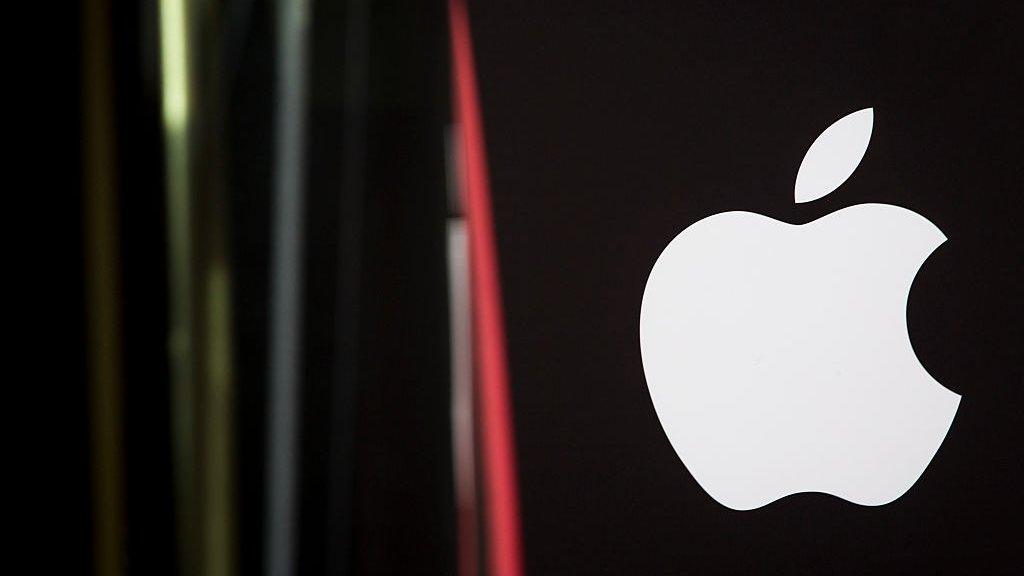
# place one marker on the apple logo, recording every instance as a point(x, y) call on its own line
point(777, 355)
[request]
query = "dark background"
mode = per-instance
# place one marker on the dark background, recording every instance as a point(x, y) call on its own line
point(612, 126)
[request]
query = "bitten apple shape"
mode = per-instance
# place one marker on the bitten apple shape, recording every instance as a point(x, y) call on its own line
point(778, 358)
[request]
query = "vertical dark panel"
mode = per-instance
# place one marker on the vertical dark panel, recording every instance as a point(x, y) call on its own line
point(325, 186)
point(376, 464)
point(249, 57)
point(71, 441)
point(403, 492)
point(150, 543)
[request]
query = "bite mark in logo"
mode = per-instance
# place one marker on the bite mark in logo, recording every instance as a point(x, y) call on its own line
point(777, 355)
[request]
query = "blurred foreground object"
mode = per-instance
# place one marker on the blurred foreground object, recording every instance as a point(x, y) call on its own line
point(200, 279)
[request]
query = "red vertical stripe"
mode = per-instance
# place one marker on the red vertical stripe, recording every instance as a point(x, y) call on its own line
point(501, 491)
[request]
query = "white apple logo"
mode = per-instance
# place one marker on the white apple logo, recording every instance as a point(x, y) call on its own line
point(777, 355)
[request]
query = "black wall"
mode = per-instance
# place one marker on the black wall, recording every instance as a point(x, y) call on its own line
point(612, 126)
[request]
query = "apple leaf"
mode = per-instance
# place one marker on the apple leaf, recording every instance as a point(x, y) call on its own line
point(834, 155)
